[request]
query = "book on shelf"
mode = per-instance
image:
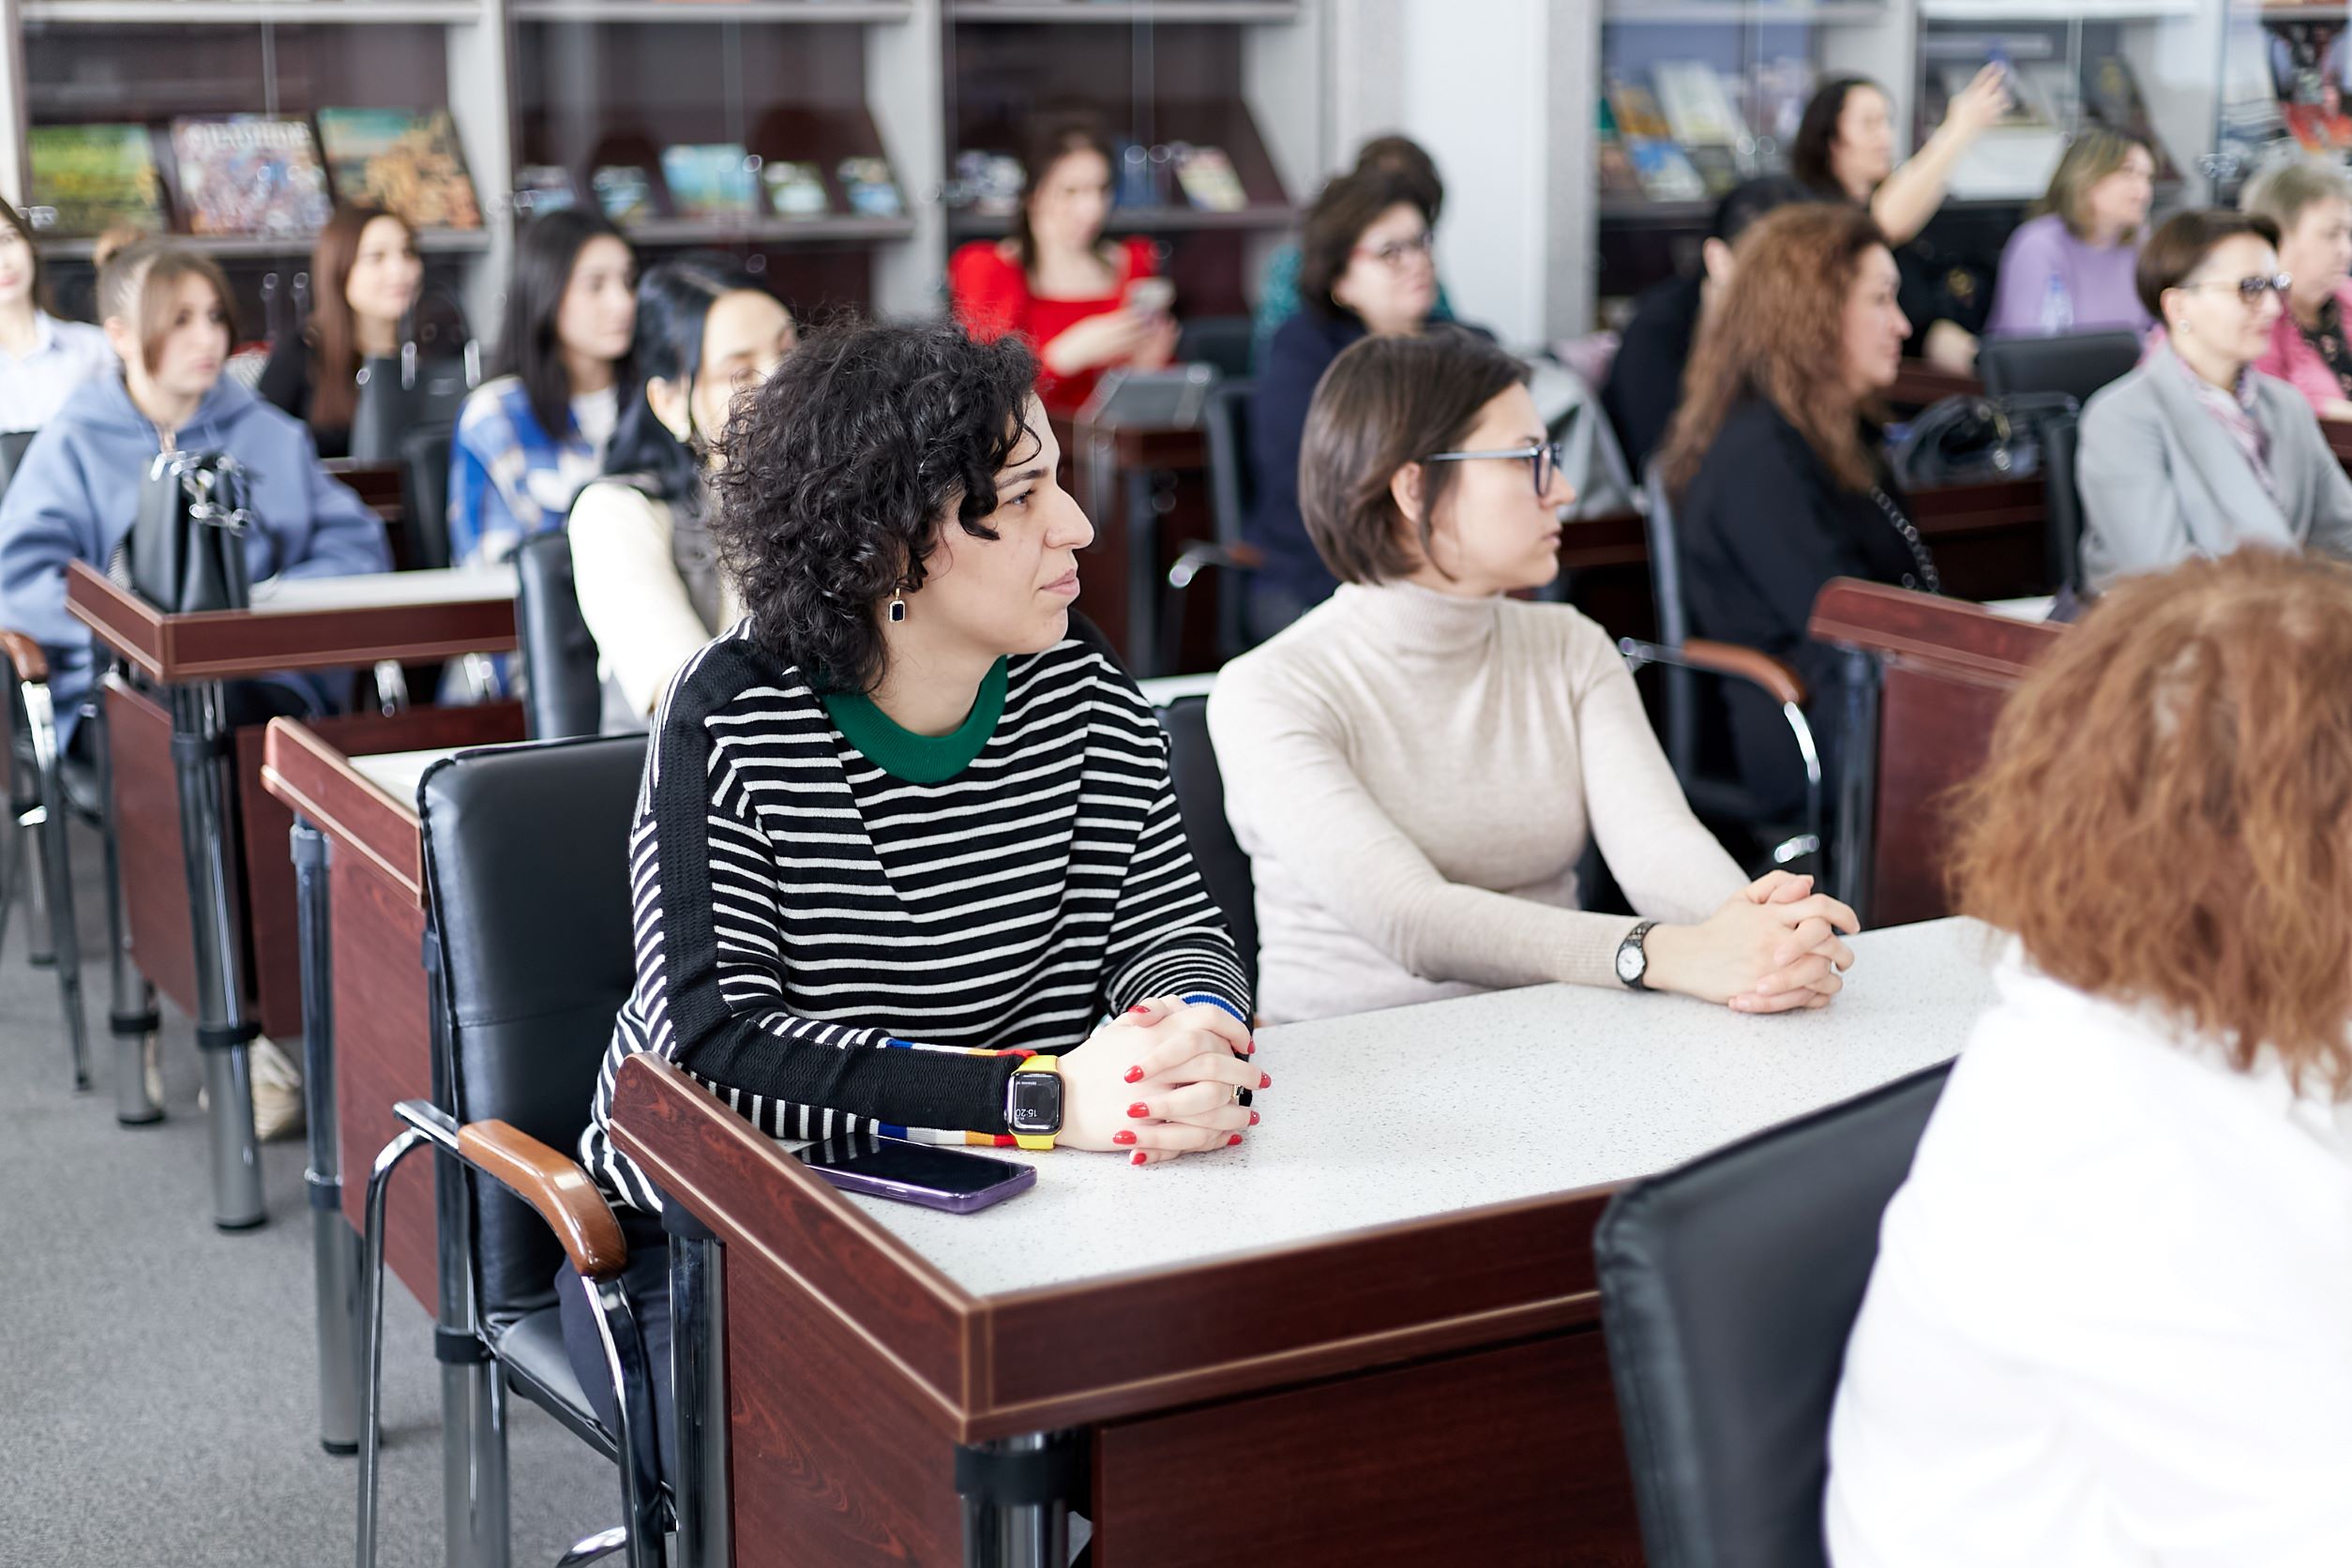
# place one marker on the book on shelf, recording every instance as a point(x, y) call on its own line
point(1697, 104)
point(1661, 167)
point(1615, 170)
point(250, 176)
point(866, 184)
point(407, 162)
point(795, 190)
point(990, 183)
point(2112, 97)
point(542, 188)
point(96, 177)
point(1208, 180)
point(624, 192)
point(711, 180)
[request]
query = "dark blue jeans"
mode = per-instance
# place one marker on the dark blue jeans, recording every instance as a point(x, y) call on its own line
point(646, 1284)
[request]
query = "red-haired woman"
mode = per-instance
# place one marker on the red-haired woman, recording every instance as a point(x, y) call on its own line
point(1778, 481)
point(363, 278)
point(2110, 1324)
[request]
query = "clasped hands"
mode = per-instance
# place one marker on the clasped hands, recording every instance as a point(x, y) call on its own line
point(1160, 1081)
point(1772, 947)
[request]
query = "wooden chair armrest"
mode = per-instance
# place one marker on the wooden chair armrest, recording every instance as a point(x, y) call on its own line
point(30, 662)
point(1779, 682)
point(553, 1185)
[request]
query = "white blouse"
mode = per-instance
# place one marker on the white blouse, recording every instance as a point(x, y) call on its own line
point(64, 356)
point(2111, 1320)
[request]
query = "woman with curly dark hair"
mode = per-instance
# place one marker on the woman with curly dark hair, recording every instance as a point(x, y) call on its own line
point(907, 835)
point(1778, 482)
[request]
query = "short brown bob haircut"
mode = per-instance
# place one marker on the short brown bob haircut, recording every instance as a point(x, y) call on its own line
point(1348, 206)
point(2180, 244)
point(1386, 403)
point(2167, 818)
point(137, 283)
point(2095, 153)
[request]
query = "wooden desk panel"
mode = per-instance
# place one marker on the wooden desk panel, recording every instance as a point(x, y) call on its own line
point(148, 828)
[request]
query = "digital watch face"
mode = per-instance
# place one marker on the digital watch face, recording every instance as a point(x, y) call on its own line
point(1037, 1103)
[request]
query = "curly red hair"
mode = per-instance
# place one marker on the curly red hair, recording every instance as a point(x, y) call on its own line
point(2166, 817)
point(1779, 333)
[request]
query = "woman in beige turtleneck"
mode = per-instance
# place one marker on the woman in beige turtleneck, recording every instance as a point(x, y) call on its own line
point(1415, 766)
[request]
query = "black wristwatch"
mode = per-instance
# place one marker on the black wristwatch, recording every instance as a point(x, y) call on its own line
point(1032, 1102)
point(1633, 958)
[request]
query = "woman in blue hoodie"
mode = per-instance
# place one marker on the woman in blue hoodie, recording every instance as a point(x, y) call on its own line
point(167, 311)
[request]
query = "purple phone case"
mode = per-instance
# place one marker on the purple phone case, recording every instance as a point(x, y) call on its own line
point(931, 1197)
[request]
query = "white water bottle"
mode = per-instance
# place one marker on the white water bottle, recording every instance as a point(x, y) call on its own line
point(2057, 309)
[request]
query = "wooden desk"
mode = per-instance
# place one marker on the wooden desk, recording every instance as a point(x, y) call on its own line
point(1917, 385)
point(1928, 681)
point(1123, 573)
point(178, 801)
point(367, 1028)
point(1369, 1335)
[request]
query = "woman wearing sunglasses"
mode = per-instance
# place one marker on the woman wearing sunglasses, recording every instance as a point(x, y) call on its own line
point(2195, 453)
point(1366, 270)
point(1428, 757)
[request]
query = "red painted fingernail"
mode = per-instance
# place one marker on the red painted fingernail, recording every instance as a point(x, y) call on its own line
point(1235, 1139)
point(1250, 1049)
point(1253, 1118)
point(1265, 1081)
point(1135, 1074)
point(1139, 1008)
point(1138, 1157)
point(1123, 1135)
point(1138, 1111)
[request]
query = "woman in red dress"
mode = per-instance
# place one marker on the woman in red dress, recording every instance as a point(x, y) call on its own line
point(1058, 282)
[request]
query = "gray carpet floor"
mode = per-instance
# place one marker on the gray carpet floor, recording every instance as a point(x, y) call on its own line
point(158, 1378)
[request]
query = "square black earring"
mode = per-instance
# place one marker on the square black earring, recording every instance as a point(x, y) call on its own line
point(898, 606)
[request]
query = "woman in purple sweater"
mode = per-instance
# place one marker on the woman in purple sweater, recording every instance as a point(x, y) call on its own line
point(2070, 269)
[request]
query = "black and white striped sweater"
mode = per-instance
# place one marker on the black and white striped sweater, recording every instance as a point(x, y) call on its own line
point(841, 925)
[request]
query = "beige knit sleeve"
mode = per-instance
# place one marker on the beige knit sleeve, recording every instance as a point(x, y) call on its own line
point(1292, 795)
point(630, 594)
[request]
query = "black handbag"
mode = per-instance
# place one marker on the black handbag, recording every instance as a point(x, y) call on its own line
point(1964, 440)
point(185, 549)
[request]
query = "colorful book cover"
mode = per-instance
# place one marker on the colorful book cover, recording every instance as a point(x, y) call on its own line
point(95, 177)
point(989, 182)
point(543, 188)
point(795, 190)
point(1666, 175)
point(1208, 180)
point(407, 163)
point(249, 175)
point(710, 180)
point(624, 192)
point(1698, 106)
point(871, 191)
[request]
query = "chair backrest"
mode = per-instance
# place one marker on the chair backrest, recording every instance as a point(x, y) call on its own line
point(2061, 439)
point(2077, 364)
point(1227, 342)
point(390, 406)
point(12, 445)
point(1192, 762)
point(562, 695)
point(425, 494)
point(526, 868)
point(1232, 483)
point(1681, 695)
point(1728, 1289)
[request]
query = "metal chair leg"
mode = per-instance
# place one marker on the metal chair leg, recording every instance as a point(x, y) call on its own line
point(632, 1389)
point(40, 938)
point(57, 878)
point(131, 1015)
point(371, 1314)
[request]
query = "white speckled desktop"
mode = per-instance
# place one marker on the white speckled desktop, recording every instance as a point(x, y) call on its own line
point(1390, 1117)
point(380, 590)
point(398, 773)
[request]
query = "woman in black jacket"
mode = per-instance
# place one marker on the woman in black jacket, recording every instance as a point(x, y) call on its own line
point(1778, 481)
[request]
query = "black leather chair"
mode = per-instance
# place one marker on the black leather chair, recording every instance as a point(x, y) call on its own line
point(562, 695)
point(12, 445)
point(1192, 762)
point(1231, 488)
point(424, 495)
point(525, 859)
point(1228, 343)
point(2061, 443)
point(1728, 1289)
point(1682, 659)
point(2077, 364)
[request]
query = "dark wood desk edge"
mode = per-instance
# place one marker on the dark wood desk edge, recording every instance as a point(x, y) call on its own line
point(981, 1410)
point(307, 773)
point(1916, 628)
point(122, 620)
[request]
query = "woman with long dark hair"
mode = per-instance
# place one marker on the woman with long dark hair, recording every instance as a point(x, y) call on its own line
point(529, 439)
point(1778, 480)
point(642, 560)
point(365, 276)
point(1059, 283)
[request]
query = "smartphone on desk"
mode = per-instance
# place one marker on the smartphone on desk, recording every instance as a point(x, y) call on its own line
point(925, 1173)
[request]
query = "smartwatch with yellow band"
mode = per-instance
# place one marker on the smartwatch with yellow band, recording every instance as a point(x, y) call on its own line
point(1032, 1102)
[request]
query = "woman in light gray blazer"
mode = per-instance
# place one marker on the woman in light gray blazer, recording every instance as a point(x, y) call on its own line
point(2194, 452)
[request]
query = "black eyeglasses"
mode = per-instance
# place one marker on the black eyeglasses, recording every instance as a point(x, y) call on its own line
point(2250, 288)
point(1546, 459)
